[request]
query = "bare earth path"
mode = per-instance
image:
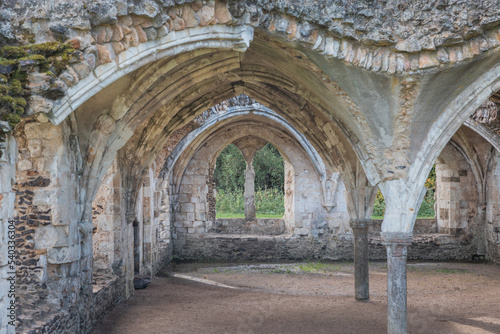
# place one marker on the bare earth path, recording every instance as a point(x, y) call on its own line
point(309, 298)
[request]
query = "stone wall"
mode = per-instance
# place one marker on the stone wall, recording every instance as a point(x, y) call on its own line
point(493, 210)
point(7, 260)
point(267, 226)
point(165, 219)
point(107, 291)
point(456, 192)
point(215, 247)
point(110, 233)
point(53, 250)
point(422, 226)
point(108, 219)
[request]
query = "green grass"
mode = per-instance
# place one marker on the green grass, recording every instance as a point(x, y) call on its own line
point(314, 267)
point(229, 215)
point(262, 216)
point(269, 203)
point(242, 215)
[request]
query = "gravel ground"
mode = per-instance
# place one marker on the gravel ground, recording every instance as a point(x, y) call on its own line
point(308, 297)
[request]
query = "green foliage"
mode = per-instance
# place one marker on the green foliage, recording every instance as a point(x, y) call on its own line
point(379, 206)
point(270, 202)
point(269, 168)
point(229, 174)
point(426, 208)
point(230, 202)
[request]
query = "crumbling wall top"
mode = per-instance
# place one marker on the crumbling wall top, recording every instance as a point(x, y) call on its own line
point(410, 26)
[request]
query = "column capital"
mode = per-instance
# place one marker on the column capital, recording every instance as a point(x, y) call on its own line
point(359, 223)
point(396, 238)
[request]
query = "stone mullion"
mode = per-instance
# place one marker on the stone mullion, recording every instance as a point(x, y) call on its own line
point(250, 192)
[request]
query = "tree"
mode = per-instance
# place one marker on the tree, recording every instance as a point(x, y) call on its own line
point(269, 169)
point(229, 174)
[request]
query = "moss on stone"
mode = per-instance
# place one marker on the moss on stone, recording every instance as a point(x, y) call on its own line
point(20, 101)
point(50, 57)
point(16, 87)
point(13, 52)
point(7, 101)
point(8, 62)
point(37, 58)
point(13, 119)
point(47, 49)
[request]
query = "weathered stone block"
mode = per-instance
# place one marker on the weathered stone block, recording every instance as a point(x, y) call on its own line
point(63, 254)
point(42, 131)
point(51, 236)
point(302, 231)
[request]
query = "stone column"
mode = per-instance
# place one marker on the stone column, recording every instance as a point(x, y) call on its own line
point(249, 192)
point(361, 255)
point(396, 244)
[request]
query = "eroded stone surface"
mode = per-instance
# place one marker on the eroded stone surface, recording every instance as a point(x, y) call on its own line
point(375, 90)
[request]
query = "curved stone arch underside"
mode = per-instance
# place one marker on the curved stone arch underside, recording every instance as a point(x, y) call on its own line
point(214, 37)
point(232, 130)
point(195, 139)
point(461, 141)
point(115, 128)
point(455, 114)
point(489, 135)
point(463, 103)
point(360, 132)
point(235, 31)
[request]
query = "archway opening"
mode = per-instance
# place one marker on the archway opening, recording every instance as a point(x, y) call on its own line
point(231, 188)
point(229, 178)
point(427, 208)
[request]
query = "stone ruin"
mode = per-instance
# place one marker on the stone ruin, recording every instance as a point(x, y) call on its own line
point(113, 113)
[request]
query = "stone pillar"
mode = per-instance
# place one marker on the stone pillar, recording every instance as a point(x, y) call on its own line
point(396, 244)
point(361, 255)
point(249, 192)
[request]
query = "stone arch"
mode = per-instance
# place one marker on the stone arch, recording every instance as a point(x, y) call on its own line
point(256, 109)
point(456, 191)
point(492, 137)
point(227, 133)
point(105, 125)
point(483, 86)
point(121, 40)
point(354, 92)
point(462, 180)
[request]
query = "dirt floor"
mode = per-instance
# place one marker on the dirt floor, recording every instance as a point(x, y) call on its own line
point(308, 297)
